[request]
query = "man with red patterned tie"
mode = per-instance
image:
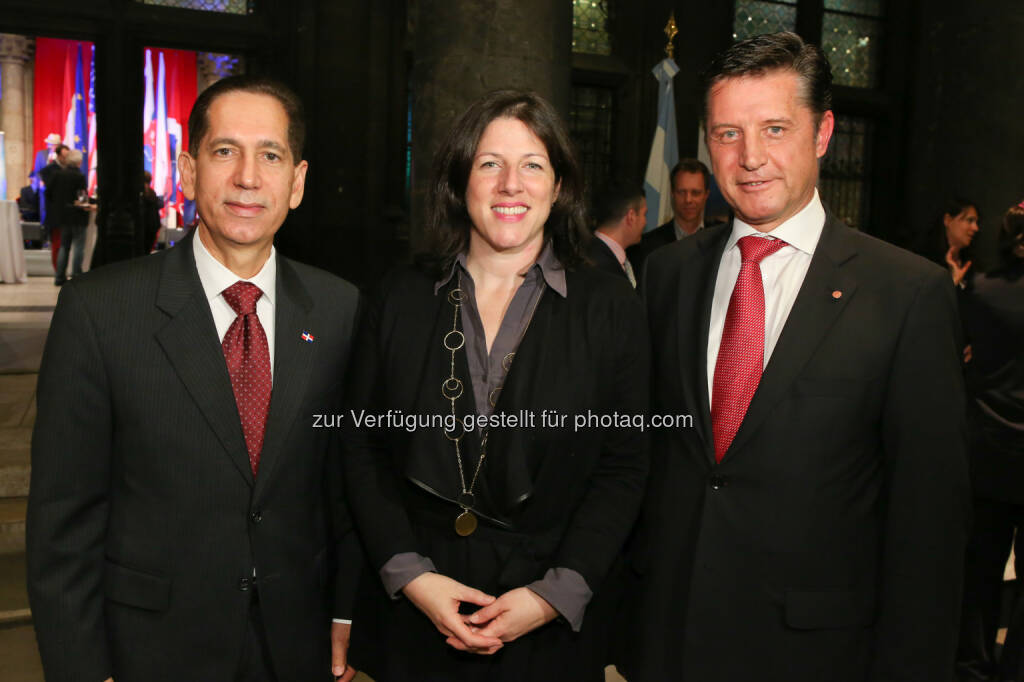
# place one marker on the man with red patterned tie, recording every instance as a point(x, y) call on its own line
point(811, 525)
point(185, 519)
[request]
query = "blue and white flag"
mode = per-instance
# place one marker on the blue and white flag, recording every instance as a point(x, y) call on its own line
point(664, 149)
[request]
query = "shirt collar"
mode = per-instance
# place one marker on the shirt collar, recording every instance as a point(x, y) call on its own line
point(216, 277)
point(546, 264)
point(679, 231)
point(617, 250)
point(802, 231)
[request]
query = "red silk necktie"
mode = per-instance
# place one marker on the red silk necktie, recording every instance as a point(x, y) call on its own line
point(248, 357)
point(741, 354)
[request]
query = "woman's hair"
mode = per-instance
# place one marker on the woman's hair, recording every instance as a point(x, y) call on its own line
point(934, 244)
point(956, 206)
point(448, 223)
point(1011, 236)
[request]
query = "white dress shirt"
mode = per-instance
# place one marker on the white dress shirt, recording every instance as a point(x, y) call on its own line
point(215, 278)
point(782, 273)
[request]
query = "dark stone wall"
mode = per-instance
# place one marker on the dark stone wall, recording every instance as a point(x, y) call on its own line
point(948, 114)
point(965, 132)
point(465, 48)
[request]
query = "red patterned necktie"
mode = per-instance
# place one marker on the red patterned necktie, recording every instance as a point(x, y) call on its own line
point(248, 357)
point(741, 354)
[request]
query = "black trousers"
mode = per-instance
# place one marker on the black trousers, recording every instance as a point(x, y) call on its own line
point(255, 664)
point(987, 552)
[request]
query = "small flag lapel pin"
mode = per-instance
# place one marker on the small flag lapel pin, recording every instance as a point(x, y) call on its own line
point(307, 337)
point(835, 294)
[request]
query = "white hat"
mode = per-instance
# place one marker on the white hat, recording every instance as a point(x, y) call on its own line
point(52, 138)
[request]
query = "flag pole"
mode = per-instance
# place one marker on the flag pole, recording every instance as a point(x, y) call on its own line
point(665, 146)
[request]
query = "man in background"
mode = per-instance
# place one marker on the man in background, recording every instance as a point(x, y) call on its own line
point(620, 213)
point(691, 185)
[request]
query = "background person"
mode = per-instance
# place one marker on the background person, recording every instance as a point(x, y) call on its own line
point(691, 186)
point(994, 316)
point(620, 213)
point(65, 188)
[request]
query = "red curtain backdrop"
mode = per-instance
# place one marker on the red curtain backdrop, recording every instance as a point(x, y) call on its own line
point(55, 85)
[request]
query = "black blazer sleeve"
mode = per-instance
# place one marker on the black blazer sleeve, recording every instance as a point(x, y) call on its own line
point(926, 517)
point(68, 498)
point(372, 482)
point(606, 514)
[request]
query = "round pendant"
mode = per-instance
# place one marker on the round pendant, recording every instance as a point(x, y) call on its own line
point(465, 523)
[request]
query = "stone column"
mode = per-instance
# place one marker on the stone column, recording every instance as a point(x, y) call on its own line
point(30, 84)
point(13, 57)
point(465, 48)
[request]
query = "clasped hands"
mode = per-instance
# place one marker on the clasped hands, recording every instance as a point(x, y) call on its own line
point(499, 620)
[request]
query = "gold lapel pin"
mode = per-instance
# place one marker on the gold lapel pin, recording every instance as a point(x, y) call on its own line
point(837, 294)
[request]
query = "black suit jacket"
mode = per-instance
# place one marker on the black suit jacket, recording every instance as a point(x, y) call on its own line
point(662, 235)
point(828, 543)
point(548, 496)
point(994, 317)
point(603, 259)
point(145, 523)
point(62, 191)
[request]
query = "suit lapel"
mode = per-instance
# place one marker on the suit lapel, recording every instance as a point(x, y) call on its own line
point(814, 312)
point(189, 340)
point(696, 292)
point(293, 361)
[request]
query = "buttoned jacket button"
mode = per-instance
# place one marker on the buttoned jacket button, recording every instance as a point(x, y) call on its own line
point(718, 482)
point(256, 516)
point(243, 584)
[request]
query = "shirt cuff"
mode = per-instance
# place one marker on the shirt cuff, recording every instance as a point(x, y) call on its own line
point(341, 620)
point(402, 569)
point(566, 591)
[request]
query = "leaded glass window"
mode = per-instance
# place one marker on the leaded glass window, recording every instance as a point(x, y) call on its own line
point(844, 182)
point(754, 17)
point(223, 6)
point(590, 125)
point(851, 35)
point(869, 7)
point(590, 27)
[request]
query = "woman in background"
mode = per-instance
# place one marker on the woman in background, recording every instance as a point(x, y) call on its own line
point(994, 316)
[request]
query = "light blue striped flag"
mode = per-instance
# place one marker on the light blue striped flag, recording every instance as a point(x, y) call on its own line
point(664, 149)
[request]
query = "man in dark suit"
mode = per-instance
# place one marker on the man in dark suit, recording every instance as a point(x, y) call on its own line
point(810, 525)
point(691, 185)
point(63, 188)
point(620, 213)
point(184, 515)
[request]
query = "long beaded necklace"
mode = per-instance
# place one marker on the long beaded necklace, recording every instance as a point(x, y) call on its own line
point(452, 389)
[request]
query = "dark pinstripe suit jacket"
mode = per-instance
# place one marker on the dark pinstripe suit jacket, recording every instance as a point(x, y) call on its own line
point(145, 522)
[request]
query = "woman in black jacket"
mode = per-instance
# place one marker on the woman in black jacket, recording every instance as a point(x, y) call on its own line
point(506, 382)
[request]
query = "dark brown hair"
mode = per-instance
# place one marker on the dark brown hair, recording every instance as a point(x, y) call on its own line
point(614, 200)
point(448, 223)
point(770, 52)
point(199, 119)
point(691, 166)
point(1011, 236)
